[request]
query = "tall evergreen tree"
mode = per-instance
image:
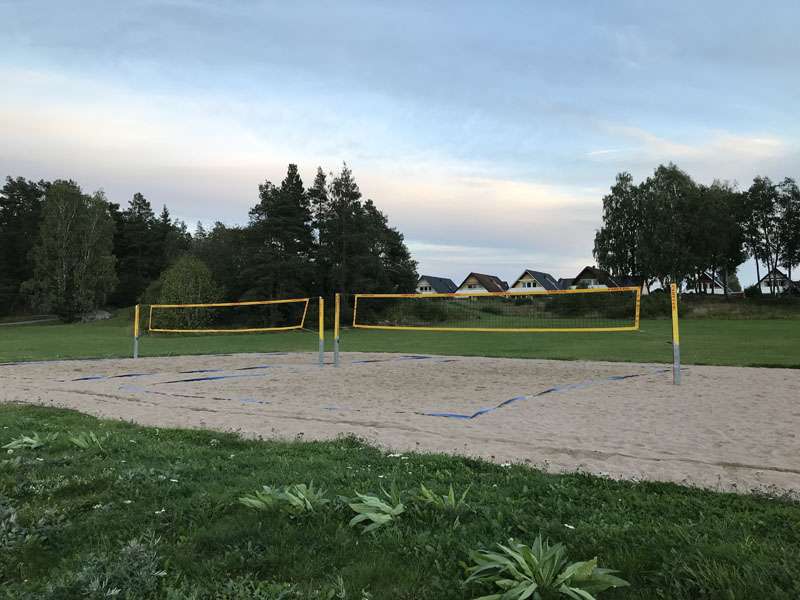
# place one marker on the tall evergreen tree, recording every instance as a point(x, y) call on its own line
point(227, 252)
point(281, 235)
point(136, 249)
point(357, 248)
point(21, 203)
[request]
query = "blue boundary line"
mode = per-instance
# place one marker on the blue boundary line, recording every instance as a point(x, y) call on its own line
point(551, 390)
point(196, 371)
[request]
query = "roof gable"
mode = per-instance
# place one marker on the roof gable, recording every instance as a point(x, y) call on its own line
point(491, 283)
point(546, 280)
point(441, 285)
point(778, 272)
point(594, 273)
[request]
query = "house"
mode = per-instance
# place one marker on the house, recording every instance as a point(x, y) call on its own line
point(531, 280)
point(429, 284)
point(592, 277)
point(479, 282)
point(777, 280)
point(564, 283)
point(708, 283)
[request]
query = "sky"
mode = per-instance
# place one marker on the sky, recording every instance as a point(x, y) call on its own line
point(488, 132)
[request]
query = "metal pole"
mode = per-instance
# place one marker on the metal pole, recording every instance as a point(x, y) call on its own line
point(337, 316)
point(136, 331)
point(321, 331)
point(676, 338)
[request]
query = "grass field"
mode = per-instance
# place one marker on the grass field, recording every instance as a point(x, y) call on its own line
point(739, 342)
point(155, 514)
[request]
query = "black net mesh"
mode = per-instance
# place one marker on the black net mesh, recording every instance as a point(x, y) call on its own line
point(243, 317)
point(576, 310)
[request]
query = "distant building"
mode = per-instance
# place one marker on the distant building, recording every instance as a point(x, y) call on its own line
point(428, 284)
point(531, 280)
point(709, 283)
point(564, 283)
point(479, 282)
point(775, 280)
point(592, 277)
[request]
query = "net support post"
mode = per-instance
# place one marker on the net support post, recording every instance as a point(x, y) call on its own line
point(136, 316)
point(336, 318)
point(676, 339)
point(321, 331)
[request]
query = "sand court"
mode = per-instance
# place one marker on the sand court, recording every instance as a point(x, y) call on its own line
point(726, 428)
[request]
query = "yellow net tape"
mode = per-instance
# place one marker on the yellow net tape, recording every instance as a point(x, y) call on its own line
point(586, 310)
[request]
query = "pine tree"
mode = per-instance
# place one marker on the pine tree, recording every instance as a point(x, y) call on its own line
point(281, 235)
point(21, 203)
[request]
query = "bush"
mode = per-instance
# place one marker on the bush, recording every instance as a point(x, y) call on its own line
point(754, 291)
point(187, 281)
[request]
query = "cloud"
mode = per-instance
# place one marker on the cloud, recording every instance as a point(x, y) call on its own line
point(704, 154)
point(204, 158)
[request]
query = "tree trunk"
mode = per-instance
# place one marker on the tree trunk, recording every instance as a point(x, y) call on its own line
point(758, 271)
point(725, 282)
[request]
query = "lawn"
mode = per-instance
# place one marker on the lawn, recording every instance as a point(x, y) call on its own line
point(154, 513)
point(740, 342)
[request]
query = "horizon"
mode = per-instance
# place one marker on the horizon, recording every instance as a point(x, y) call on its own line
point(487, 135)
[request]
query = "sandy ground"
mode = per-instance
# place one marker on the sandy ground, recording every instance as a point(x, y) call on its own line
point(724, 428)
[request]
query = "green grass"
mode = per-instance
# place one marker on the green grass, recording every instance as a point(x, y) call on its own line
point(741, 342)
point(177, 492)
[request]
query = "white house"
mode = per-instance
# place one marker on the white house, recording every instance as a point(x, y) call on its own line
point(592, 277)
point(531, 281)
point(429, 284)
point(475, 283)
point(777, 280)
point(708, 283)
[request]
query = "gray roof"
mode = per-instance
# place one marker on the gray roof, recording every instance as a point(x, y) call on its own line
point(564, 283)
point(546, 280)
point(605, 278)
point(491, 283)
point(440, 285)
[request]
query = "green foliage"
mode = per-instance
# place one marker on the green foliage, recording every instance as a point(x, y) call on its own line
point(133, 572)
point(539, 572)
point(30, 442)
point(21, 204)
point(373, 512)
point(357, 250)
point(12, 533)
point(144, 245)
point(73, 261)
point(296, 499)
point(447, 502)
point(86, 440)
point(247, 588)
point(723, 339)
point(187, 281)
point(670, 542)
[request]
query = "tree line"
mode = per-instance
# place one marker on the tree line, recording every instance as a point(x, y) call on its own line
point(66, 252)
point(670, 229)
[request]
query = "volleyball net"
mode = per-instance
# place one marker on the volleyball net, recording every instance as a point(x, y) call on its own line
point(256, 316)
point(229, 317)
point(580, 310)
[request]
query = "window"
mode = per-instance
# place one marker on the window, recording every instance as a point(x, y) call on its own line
point(530, 284)
point(472, 286)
